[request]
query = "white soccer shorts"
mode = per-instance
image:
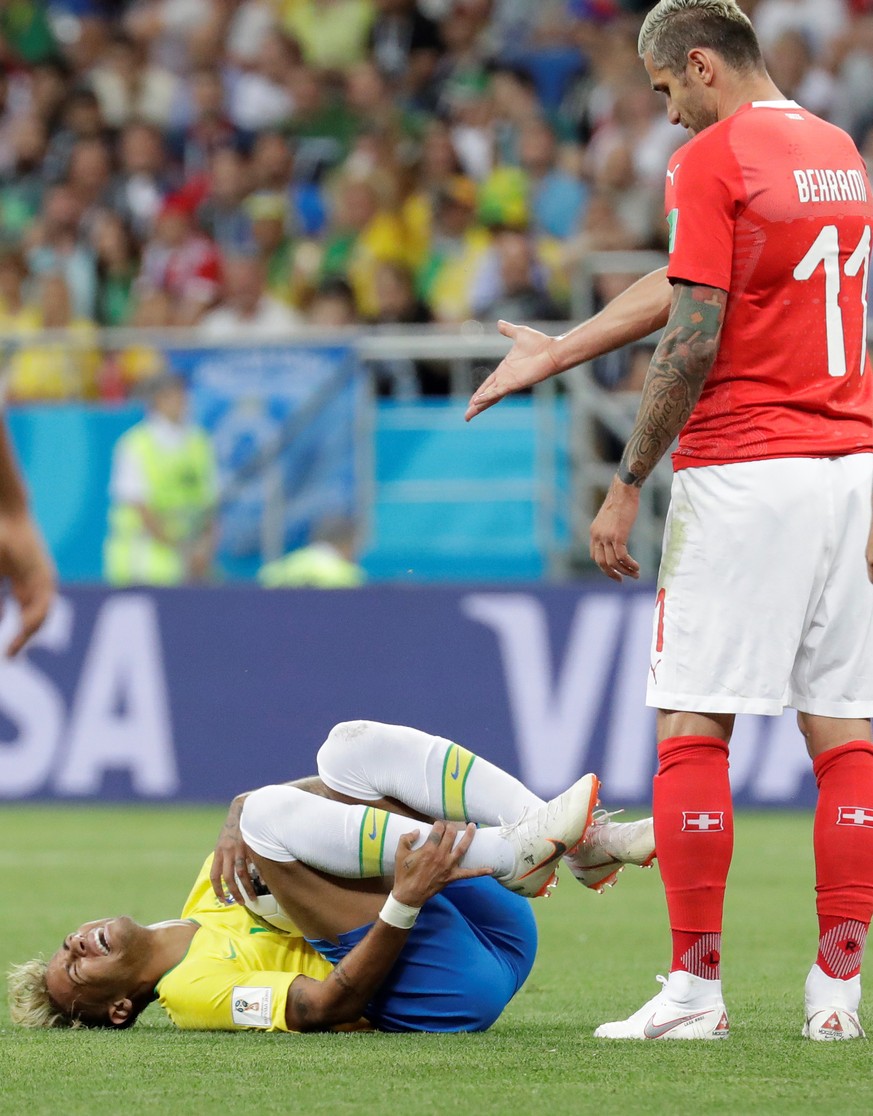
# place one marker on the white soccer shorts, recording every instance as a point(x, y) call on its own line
point(763, 597)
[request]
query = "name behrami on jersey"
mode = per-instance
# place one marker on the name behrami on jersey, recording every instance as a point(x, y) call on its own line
point(774, 206)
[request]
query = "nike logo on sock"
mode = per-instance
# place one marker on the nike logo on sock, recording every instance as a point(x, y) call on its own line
point(454, 774)
point(375, 828)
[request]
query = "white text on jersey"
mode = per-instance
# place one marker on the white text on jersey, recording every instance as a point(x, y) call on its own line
point(830, 186)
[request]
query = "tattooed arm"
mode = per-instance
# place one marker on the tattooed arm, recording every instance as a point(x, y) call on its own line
point(317, 1005)
point(675, 379)
point(342, 998)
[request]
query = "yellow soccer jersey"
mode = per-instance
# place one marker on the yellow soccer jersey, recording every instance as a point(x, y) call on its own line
point(236, 973)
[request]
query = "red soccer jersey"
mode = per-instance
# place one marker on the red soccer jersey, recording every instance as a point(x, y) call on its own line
point(773, 205)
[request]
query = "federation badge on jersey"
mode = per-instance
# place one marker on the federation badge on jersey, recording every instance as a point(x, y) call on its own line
point(252, 1007)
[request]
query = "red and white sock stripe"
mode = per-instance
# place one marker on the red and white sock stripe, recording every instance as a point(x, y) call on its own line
point(841, 948)
point(703, 958)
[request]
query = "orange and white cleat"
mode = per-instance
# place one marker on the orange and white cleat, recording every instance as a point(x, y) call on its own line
point(608, 846)
point(542, 837)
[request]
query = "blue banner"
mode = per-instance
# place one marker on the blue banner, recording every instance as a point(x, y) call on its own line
point(195, 695)
point(66, 455)
point(283, 421)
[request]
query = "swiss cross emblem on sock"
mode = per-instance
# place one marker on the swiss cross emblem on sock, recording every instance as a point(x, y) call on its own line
point(702, 821)
point(832, 1023)
point(855, 815)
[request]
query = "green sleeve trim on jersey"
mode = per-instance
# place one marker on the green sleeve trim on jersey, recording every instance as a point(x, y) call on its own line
point(672, 222)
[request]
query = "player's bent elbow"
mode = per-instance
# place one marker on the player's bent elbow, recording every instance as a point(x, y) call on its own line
point(313, 1005)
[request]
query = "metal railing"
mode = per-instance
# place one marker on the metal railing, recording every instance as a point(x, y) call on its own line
point(600, 419)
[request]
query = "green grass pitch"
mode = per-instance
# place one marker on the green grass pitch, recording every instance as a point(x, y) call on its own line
point(598, 958)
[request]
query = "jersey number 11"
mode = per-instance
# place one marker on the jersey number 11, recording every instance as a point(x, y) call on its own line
point(825, 249)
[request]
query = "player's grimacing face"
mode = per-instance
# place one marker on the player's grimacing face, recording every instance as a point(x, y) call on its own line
point(96, 964)
point(690, 102)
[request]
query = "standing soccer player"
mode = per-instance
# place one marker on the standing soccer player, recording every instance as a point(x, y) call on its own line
point(763, 595)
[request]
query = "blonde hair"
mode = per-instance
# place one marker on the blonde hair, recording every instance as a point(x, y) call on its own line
point(673, 27)
point(29, 1002)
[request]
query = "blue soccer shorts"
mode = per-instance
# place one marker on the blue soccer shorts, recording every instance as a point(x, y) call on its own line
point(471, 949)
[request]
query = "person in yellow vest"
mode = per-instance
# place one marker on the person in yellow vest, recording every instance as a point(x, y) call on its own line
point(163, 492)
point(328, 562)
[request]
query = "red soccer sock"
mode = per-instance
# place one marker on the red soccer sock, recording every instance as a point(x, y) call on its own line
point(694, 836)
point(843, 842)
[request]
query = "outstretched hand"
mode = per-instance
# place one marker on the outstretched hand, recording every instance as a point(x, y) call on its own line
point(420, 873)
point(528, 362)
point(29, 571)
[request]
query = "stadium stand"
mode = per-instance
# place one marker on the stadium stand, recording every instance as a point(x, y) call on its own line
point(473, 151)
point(245, 171)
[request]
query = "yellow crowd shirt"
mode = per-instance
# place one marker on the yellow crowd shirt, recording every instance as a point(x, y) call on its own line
point(237, 972)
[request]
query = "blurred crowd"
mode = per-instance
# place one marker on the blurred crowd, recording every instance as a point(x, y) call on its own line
point(246, 167)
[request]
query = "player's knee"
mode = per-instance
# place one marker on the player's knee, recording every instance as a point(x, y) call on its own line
point(342, 737)
point(263, 806)
point(489, 991)
point(349, 731)
point(805, 731)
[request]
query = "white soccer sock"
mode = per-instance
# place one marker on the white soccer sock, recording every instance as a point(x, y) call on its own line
point(357, 842)
point(368, 760)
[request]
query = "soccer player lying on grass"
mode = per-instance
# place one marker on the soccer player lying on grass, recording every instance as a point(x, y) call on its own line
point(445, 951)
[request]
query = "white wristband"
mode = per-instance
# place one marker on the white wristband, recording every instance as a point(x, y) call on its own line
point(397, 914)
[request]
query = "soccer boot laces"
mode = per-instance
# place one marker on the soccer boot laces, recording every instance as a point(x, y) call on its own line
point(541, 837)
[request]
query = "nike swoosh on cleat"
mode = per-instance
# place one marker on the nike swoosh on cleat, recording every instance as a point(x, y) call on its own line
point(454, 774)
point(560, 849)
point(656, 1030)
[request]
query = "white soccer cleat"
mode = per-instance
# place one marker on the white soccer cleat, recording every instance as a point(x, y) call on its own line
point(687, 1007)
point(832, 1025)
point(542, 837)
point(832, 1007)
point(608, 846)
